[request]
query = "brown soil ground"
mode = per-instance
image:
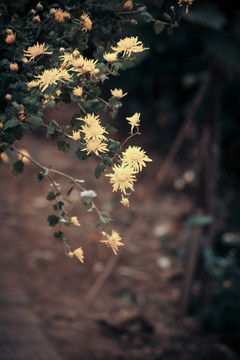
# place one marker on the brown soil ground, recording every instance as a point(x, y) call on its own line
point(132, 312)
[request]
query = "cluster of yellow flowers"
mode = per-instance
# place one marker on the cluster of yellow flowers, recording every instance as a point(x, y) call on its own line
point(93, 134)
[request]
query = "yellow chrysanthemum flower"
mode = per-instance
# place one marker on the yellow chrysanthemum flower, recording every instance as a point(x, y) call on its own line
point(64, 75)
point(78, 91)
point(187, 3)
point(66, 59)
point(90, 119)
point(48, 77)
point(23, 157)
point(74, 221)
point(95, 146)
point(113, 240)
point(129, 45)
point(136, 157)
point(134, 121)
point(95, 131)
point(75, 136)
point(122, 178)
point(78, 253)
point(110, 57)
point(36, 50)
point(86, 22)
point(60, 15)
point(118, 93)
point(78, 63)
point(124, 201)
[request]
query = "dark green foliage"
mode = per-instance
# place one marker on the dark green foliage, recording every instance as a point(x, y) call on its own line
point(59, 235)
point(18, 167)
point(99, 170)
point(52, 220)
point(63, 146)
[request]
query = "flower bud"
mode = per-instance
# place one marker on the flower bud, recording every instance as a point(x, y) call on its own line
point(11, 36)
point(8, 97)
point(32, 12)
point(128, 5)
point(39, 6)
point(52, 11)
point(61, 50)
point(13, 66)
point(37, 19)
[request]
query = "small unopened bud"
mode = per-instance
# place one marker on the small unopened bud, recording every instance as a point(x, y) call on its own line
point(32, 12)
point(61, 50)
point(39, 6)
point(13, 66)
point(134, 22)
point(37, 19)
point(52, 11)
point(8, 97)
point(76, 54)
point(128, 5)
point(24, 60)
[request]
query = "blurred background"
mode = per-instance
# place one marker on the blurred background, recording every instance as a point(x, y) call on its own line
point(173, 291)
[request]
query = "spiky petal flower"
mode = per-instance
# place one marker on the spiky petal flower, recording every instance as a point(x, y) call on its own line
point(129, 45)
point(60, 15)
point(95, 146)
point(113, 240)
point(36, 50)
point(75, 136)
point(136, 157)
point(90, 119)
point(86, 22)
point(94, 131)
point(78, 253)
point(134, 121)
point(48, 77)
point(122, 178)
point(118, 93)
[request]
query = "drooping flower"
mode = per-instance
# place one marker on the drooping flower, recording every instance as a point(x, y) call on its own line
point(122, 178)
point(78, 91)
point(74, 221)
point(95, 146)
point(60, 15)
point(136, 157)
point(8, 97)
point(11, 36)
point(37, 19)
point(186, 3)
point(13, 66)
point(118, 93)
point(110, 57)
point(134, 121)
point(48, 77)
point(129, 45)
point(124, 201)
point(36, 50)
point(85, 22)
point(78, 253)
point(113, 240)
point(75, 136)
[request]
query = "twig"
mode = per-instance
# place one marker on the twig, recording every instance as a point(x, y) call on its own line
point(181, 134)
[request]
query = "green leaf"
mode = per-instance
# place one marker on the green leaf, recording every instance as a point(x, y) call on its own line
point(76, 123)
point(70, 190)
point(53, 220)
point(80, 154)
point(51, 196)
point(40, 176)
point(99, 170)
point(113, 146)
point(63, 146)
point(104, 217)
point(18, 167)
point(158, 27)
point(145, 17)
point(110, 129)
point(94, 106)
point(52, 132)
point(35, 121)
point(51, 105)
point(59, 235)
point(107, 160)
point(10, 124)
